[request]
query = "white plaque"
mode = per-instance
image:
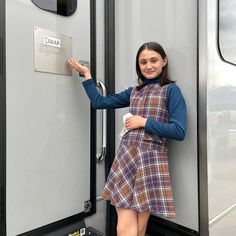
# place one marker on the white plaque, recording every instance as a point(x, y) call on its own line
point(51, 50)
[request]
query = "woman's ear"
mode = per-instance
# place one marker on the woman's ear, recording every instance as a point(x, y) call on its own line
point(164, 61)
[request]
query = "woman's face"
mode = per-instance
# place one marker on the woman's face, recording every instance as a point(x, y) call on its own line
point(151, 63)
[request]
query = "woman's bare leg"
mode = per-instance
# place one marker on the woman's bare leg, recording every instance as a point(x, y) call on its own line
point(127, 222)
point(142, 222)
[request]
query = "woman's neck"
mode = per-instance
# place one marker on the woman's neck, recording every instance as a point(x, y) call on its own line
point(151, 81)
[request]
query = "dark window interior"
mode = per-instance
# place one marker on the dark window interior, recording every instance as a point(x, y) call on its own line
point(60, 7)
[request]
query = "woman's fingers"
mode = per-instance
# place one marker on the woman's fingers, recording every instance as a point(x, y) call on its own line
point(135, 122)
point(71, 63)
point(128, 123)
point(77, 66)
point(74, 64)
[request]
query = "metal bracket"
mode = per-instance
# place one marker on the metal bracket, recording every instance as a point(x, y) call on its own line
point(99, 198)
point(87, 206)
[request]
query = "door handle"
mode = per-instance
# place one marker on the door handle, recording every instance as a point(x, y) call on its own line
point(100, 156)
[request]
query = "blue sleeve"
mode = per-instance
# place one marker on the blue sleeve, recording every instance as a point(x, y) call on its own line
point(98, 101)
point(176, 126)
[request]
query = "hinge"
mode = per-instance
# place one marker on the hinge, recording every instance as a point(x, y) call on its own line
point(1, 56)
point(1, 200)
point(87, 206)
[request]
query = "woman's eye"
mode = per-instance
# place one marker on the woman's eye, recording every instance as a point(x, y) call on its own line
point(154, 60)
point(142, 62)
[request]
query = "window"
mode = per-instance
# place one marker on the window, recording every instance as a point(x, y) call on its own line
point(60, 7)
point(227, 30)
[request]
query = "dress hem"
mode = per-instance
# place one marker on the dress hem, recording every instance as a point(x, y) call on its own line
point(169, 215)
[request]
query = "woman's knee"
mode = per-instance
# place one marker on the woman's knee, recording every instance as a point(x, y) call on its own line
point(126, 229)
point(142, 222)
point(141, 230)
point(127, 222)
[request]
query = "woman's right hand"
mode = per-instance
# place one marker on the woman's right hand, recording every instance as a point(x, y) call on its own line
point(73, 64)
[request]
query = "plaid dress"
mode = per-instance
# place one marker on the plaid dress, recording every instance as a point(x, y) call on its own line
point(139, 177)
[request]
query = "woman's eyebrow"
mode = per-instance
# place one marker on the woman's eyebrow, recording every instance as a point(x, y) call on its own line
point(146, 59)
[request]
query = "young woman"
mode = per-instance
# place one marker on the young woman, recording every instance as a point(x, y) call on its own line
point(139, 181)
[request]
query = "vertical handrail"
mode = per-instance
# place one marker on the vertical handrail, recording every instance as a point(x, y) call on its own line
point(101, 156)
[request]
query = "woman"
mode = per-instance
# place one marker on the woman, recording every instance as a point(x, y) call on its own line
point(139, 181)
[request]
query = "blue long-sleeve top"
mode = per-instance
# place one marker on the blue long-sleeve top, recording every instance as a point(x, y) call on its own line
point(174, 129)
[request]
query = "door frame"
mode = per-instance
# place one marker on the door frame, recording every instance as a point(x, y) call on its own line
point(2, 121)
point(109, 42)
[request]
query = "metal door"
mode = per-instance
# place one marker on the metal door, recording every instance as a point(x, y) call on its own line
point(48, 134)
point(221, 117)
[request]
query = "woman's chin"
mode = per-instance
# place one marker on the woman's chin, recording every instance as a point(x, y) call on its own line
point(150, 76)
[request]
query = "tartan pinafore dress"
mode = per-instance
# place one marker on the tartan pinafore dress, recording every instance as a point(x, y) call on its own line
point(139, 177)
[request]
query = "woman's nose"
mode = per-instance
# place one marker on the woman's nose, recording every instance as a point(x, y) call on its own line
point(149, 65)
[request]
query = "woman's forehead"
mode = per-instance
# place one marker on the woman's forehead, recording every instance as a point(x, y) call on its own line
point(148, 54)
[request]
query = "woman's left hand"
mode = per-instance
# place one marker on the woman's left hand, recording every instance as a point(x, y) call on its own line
point(135, 122)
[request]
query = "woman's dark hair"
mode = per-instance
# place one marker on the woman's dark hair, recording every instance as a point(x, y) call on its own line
point(164, 77)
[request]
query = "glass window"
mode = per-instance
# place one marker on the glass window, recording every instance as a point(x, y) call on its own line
point(227, 30)
point(61, 7)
